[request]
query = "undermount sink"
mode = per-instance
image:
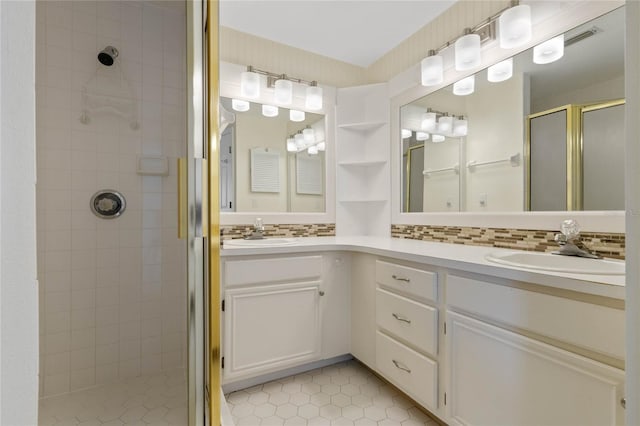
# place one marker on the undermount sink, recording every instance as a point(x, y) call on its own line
point(266, 242)
point(552, 262)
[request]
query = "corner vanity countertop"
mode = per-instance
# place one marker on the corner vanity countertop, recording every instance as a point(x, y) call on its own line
point(451, 256)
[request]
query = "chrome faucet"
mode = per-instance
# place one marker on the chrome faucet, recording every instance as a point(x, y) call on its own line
point(258, 231)
point(569, 241)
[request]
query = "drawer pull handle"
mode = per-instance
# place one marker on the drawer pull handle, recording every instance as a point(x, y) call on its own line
point(399, 318)
point(399, 366)
point(397, 278)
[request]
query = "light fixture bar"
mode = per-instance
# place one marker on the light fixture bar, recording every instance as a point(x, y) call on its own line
point(272, 77)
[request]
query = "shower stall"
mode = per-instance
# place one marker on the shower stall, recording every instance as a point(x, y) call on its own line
point(111, 121)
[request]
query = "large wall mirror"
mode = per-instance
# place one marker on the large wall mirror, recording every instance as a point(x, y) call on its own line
point(272, 162)
point(548, 138)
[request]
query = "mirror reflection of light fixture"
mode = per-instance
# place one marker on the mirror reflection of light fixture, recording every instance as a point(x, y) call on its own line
point(514, 26)
point(291, 144)
point(422, 136)
point(313, 97)
point(312, 150)
point(428, 121)
point(406, 133)
point(460, 126)
point(322, 146)
point(299, 140)
point(501, 71)
point(464, 87)
point(437, 138)
point(295, 115)
point(445, 124)
point(240, 105)
point(549, 51)
point(467, 51)
point(249, 84)
point(309, 135)
point(269, 111)
point(432, 69)
point(283, 91)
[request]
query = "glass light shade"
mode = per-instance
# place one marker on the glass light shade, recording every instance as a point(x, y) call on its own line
point(322, 146)
point(269, 111)
point(295, 115)
point(283, 92)
point(467, 52)
point(312, 150)
point(437, 138)
point(249, 85)
point(445, 124)
point(514, 26)
point(501, 71)
point(240, 105)
point(460, 127)
point(464, 87)
point(313, 98)
point(428, 121)
point(291, 145)
point(549, 51)
point(431, 70)
point(299, 140)
point(309, 135)
point(406, 133)
point(422, 136)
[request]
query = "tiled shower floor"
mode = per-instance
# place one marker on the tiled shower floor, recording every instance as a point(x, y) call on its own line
point(156, 400)
point(341, 394)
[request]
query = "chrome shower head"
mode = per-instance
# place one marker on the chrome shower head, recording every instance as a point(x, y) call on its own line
point(108, 55)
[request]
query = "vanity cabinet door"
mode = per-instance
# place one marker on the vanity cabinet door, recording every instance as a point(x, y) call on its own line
point(502, 378)
point(271, 327)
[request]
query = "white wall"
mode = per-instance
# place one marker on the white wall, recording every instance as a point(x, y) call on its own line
point(113, 296)
point(18, 285)
point(602, 91)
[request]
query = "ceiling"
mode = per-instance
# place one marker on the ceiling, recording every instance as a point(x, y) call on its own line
point(354, 31)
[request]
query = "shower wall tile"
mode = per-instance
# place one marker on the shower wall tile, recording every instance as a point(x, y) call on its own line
point(108, 285)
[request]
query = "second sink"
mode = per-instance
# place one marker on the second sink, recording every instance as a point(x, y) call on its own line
point(551, 262)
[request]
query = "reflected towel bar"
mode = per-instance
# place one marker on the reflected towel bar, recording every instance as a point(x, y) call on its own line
point(514, 161)
point(455, 168)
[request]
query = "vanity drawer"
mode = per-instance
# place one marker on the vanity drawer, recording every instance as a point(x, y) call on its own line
point(279, 269)
point(411, 281)
point(415, 374)
point(413, 322)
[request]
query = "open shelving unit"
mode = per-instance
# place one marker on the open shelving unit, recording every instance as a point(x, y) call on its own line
point(363, 175)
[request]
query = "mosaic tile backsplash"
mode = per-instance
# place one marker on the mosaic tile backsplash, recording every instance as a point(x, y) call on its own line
point(229, 232)
point(609, 245)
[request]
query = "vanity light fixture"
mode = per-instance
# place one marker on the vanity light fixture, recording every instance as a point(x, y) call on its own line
point(295, 115)
point(309, 135)
point(501, 71)
point(250, 83)
point(322, 146)
point(464, 87)
point(422, 136)
point(467, 51)
point(240, 105)
point(549, 51)
point(437, 138)
point(514, 26)
point(428, 121)
point(313, 98)
point(291, 144)
point(283, 91)
point(406, 133)
point(432, 69)
point(269, 111)
point(445, 124)
point(299, 140)
point(460, 126)
point(313, 150)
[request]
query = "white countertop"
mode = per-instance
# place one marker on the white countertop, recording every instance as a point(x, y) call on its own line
point(451, 256)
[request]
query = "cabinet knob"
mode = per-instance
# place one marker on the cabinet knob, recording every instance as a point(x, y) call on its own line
point(321, 293)
point(623, 402)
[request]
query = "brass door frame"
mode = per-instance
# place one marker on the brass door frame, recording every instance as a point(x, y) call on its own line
point(575, 150)
point(408, 154)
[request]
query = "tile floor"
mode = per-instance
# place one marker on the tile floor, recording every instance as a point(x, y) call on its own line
point(341, 394)
point(157, 400)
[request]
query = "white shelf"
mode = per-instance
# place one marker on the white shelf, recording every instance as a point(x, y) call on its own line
point(363, 200)
point(361, 163)
point(363, 125)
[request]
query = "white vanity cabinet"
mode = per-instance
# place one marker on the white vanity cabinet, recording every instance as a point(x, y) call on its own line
point(276, 313)
point(501, 372)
